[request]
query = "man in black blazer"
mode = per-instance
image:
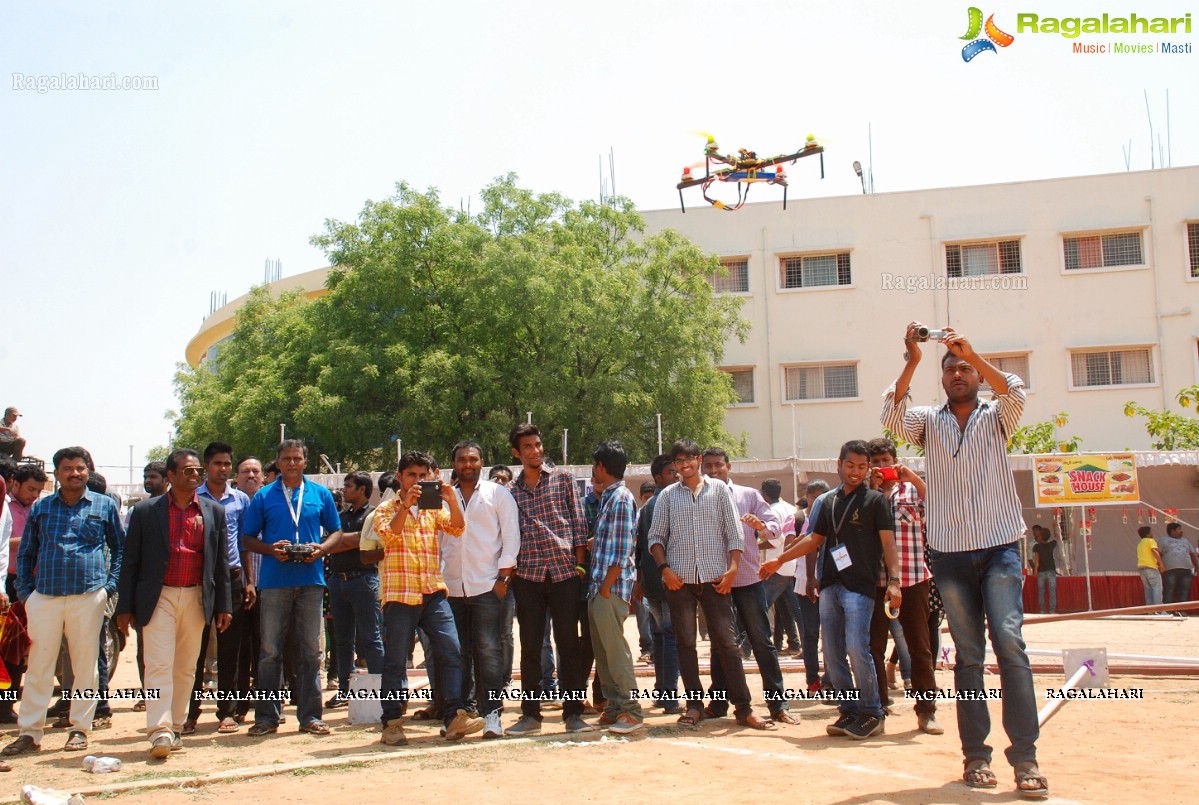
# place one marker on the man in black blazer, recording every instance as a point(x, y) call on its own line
point(174, 578)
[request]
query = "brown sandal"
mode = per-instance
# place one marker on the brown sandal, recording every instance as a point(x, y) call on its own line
point(756, 722)
point(691, 719)
point(1026, 773)
point(978, 774)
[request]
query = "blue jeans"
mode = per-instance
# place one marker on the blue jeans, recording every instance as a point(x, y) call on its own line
point(780, 594)
point(666, 653)
point(480, 623)
point(989, 583)
point(750, 601)
point(297, 611)
point(809, 628)
point(354, 606)
point(1151, 579)
point(1176, 586)
point(1047, 591)
point(845, 618)
point(645, 635)
point(400, 622)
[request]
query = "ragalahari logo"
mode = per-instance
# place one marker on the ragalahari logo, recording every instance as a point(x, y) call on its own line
point(980, 45)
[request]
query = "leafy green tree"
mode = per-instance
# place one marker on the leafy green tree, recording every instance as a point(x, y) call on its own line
point(1170, 430)
point(439, 326)
point(1042, 437)
point(158, 452)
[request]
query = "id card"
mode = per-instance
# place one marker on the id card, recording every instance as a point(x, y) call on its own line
point(841, 558)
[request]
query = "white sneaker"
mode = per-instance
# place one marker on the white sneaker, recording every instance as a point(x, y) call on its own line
point(492, 728)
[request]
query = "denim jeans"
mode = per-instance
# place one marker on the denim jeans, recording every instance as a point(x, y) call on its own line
point(292, 611)
point(666, 653)
point(750, 601)
point(1151, 580)
point(1176, 586)
point(845, 619)
point(780, 594)
point(809, 627)
point(1047, 591)
point(400, 622)
point(534, 599)
point(989, 583)
point(718, 611)
point(354, 607)
point(645, 635)
point(480, 623)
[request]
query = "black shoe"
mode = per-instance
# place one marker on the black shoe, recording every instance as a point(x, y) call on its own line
point(839, 726)
point(337, 700)
point(8, 717)
point(865, 726)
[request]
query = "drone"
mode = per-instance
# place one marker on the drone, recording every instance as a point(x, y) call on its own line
point(744, 169)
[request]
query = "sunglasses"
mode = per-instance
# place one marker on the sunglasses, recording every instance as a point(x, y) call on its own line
point(191, 470)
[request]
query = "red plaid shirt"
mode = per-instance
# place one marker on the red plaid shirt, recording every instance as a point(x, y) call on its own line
point(185, 568)
point(552, 525)
point(909, 534)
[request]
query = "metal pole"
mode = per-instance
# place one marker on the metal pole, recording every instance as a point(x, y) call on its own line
point(659, 434)
point(529, 418)
point(130, 463)
point(1054, 704)
point(282, 433)
point(1086, 556)
point(794, 443)
point(565, 437)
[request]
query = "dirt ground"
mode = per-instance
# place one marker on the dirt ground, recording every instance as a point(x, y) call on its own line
point(1092, 751)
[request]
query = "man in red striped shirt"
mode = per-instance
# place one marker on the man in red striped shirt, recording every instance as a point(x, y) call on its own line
point(174, 577)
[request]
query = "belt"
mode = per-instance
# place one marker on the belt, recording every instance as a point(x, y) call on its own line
point(353, 574)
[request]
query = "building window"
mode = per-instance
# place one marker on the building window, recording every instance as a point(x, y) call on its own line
point(980, 259)
point(743, 384)
point(1011, 364)
point(814, 270)
point(1117, 367)
point(736, 280)
point(1193, 248)
point(1103, 251)
point(826, 382)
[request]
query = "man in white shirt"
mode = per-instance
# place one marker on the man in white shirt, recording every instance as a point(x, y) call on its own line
point(478, 570)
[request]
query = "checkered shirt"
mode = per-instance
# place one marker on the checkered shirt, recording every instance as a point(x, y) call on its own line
point(411, 566)
point(697, 531)
point(552, 525)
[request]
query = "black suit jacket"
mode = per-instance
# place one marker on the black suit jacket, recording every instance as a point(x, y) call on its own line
point(148, 548)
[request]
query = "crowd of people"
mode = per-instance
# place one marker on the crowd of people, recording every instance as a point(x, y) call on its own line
point(258, 553)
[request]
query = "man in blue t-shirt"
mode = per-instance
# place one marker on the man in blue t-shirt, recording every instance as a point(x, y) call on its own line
point(284, 515)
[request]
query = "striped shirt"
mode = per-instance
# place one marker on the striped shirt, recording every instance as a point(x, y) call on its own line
point(615, 541)
point(73, 549)
point(552, 525)
point(972, 503)
point(697, 530)
point(411, 565)
point(235, 502)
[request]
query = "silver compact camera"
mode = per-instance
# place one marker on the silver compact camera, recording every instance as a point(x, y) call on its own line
point(925, 334)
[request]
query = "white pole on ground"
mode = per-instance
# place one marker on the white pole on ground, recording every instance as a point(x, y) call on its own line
point(1053, 705)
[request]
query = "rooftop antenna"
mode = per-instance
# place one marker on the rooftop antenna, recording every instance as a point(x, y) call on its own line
point(608, 184)
point(273, 271)
point(1148, 114)
point(612, 168)
point(1127, 155)
point(1169, 150)
point(869, 158)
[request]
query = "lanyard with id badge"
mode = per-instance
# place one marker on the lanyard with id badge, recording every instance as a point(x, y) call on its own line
point(840, 553)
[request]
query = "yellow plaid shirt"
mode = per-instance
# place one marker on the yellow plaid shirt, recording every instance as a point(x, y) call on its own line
point(411, 561)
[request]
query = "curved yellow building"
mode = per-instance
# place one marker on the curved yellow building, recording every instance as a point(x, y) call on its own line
point(219, 326)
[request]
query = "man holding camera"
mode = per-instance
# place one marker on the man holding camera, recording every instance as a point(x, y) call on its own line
point(289, 515)
point(973, 527)
point(414, 594)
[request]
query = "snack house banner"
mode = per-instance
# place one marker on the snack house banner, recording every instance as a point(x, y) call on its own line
point(1088, 479)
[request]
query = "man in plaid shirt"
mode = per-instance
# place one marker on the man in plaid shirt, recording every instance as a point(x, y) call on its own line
point(414, 595)
point(548, 578)
point(612, 573)
point(906, 494)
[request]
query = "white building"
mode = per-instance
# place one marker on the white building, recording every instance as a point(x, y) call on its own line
point(1087, 287)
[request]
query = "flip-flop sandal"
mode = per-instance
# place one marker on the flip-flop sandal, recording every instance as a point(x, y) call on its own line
point(1029, 773)
point(76, 741)
point(691, 719)
point(228, 724)
point(261, 729)
point(317, 727)
point(978, 774)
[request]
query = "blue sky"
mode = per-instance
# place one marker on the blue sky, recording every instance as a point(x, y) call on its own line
point(123, 210)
